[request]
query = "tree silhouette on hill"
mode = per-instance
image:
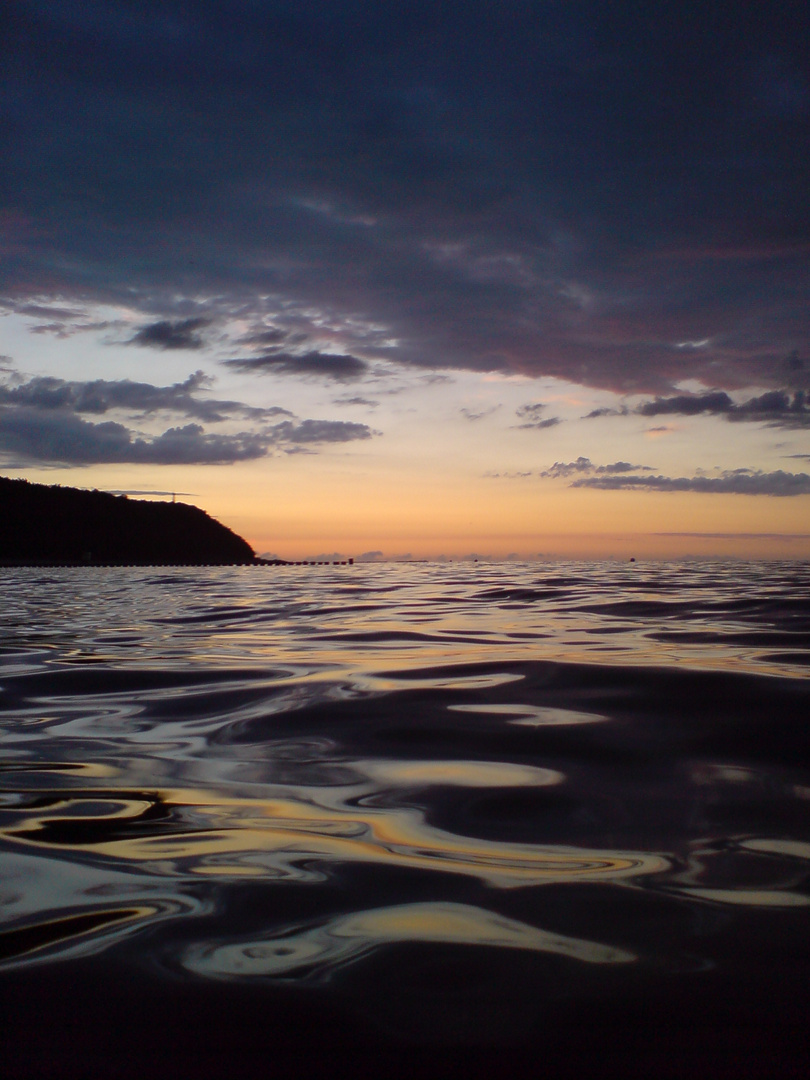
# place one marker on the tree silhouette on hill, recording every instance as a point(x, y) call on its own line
point(44, 523)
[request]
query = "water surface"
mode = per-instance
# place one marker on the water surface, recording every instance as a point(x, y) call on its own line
point(457, 807)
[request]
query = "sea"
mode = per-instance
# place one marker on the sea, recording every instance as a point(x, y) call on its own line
point(503, 819)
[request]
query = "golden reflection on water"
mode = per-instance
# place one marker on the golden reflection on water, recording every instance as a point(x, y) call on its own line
point(314, 949)
point(532, 715)
point(747, 897)
point(461, 773)
point(285, 835)
point(156, 715)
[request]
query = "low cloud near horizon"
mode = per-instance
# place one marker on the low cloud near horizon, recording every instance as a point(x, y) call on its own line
point(730, 482)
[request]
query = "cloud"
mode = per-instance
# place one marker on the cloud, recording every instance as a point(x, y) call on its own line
point(778, 408)
point(41, 421)
point(100, 396)
point(731, 482)
point(548, 189)
point(530, 414)
point(470, 414)
point(552, 421)
point(530, 411)
point(47, 311)
point(688, 404)
point(605, 411)
point(338, 366)
point(622, 467)
point(562, 469)
point(267, 336)
point(29, 435)
point(180, 334)
point(371, 404)
point(320, 431)
point(33, 435)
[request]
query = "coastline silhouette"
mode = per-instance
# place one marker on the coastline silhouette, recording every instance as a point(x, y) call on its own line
point(42, 524)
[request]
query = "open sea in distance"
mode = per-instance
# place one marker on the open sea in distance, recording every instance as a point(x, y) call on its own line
point(479, 819)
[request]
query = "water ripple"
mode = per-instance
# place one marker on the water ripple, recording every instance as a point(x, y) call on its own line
point(306, 775)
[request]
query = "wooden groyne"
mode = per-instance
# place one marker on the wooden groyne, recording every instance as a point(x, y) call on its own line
point(42, 564)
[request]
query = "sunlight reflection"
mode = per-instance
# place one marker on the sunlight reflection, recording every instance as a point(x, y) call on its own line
point(747, 897)
point(532, 715)
point(316, 951)
point(287, 835)
point(461, 773)
point(796, 849)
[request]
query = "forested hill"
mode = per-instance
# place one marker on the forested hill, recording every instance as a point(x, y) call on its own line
point(42, 524)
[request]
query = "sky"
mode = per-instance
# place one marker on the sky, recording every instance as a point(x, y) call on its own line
point(426, 280)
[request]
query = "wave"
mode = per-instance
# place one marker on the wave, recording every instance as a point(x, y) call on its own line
point(246, 778)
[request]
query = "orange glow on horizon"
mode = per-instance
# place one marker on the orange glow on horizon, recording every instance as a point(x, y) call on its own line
point(357, 504)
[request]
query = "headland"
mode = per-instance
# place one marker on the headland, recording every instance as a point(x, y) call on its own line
point(51, 525)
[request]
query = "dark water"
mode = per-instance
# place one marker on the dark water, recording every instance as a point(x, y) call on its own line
point(261, 820)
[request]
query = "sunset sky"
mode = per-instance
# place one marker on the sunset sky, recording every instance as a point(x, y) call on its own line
point(417, 279)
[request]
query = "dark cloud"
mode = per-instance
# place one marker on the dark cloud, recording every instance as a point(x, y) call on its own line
point(530, 412)
point(337, 366)
point(180, 334)
point(268, 336)
point(357, 401)
point(320, 431)
point(41, 421)
point(552, 421)
point(606, 411)
point(622, 467)
point(53, 437)
point(530, 415)
point(732, 482)
point(100, 396)
point(688, 404)
point(34, 436)
point(563, 469)
point(611, 193)
point(779, 408)
point(43, 311)
point(58, 329)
